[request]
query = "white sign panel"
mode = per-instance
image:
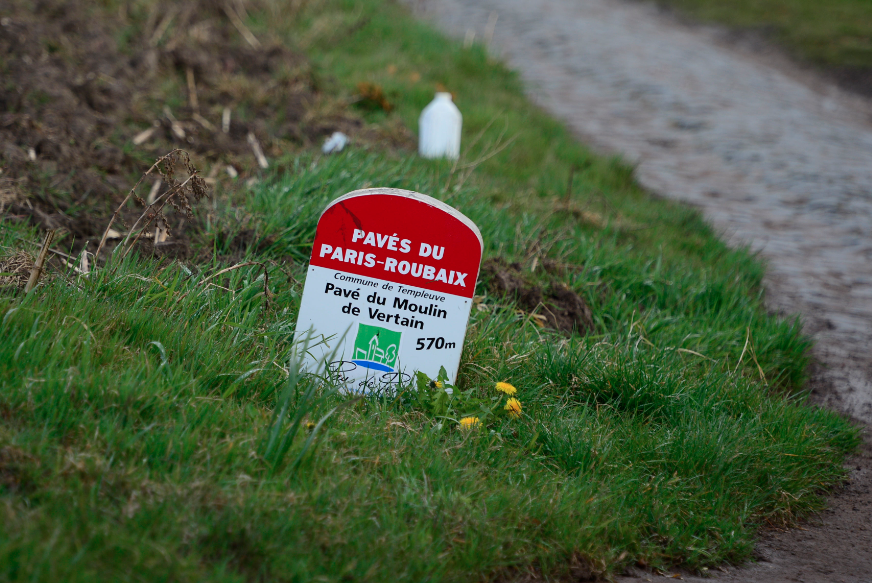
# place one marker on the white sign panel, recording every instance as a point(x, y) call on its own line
point(389, 289)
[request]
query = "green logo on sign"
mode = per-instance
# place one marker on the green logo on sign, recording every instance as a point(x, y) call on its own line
point(376, 348)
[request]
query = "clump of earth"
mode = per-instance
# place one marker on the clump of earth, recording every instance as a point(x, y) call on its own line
point(549, 297)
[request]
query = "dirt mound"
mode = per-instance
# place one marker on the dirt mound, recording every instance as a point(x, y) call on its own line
point(91, 98)
point(561, 307)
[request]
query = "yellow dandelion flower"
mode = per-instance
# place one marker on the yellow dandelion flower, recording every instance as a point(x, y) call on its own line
point(469, 423)
point(506, 388)
point(310, 425)
point(513, 406)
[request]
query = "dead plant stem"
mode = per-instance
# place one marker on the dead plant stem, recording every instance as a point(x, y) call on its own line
point(126, 198)
point(36, 272)
point(240, 26)
point(162, 199)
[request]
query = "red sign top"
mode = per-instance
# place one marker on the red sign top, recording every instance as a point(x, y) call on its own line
point(402, 237)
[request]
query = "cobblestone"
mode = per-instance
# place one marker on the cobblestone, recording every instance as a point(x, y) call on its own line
point(775, 158)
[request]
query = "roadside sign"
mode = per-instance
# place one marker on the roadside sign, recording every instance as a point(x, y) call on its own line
point(389, 289)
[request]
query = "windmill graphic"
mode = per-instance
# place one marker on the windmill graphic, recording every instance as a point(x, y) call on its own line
point(376, 348)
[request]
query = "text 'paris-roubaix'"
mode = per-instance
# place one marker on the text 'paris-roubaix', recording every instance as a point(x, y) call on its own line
point(392, 264)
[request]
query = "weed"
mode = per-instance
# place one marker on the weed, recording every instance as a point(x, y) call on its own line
point(179, 194)
point(315, 393)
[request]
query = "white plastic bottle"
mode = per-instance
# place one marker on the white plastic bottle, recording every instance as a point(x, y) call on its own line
point(439, 128)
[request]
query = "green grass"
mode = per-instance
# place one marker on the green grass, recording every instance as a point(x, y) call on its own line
point(832, 34)
point(141, 408)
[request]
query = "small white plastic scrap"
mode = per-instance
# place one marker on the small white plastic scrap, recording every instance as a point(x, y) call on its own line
point(335, 143)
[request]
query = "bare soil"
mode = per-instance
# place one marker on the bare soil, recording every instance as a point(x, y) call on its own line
point(551, 299)
point(776, 156)
point(90, 98)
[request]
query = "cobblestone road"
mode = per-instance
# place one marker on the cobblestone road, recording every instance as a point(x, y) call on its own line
point(774, 157)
